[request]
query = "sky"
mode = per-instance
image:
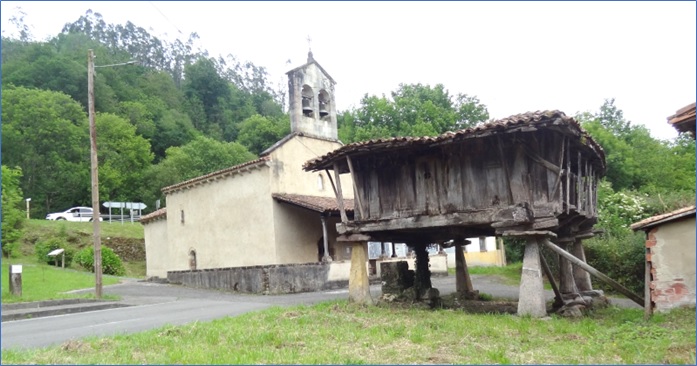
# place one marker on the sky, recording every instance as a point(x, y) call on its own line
point(514, 56)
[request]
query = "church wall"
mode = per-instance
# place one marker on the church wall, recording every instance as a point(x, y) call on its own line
point(297, 232)
point(289, 177)
point(156, 249)
point(228, 223)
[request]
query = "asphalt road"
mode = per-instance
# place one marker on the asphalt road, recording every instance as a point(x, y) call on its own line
point(155, 305)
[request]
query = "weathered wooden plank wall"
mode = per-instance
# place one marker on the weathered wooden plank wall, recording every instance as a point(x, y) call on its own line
point(546, 171)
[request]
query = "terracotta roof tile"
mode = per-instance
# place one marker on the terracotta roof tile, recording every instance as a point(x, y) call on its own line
point(216, 175)
point(666, 217)
point(518, 122)
point(160, 214)
point(684, 119)
point(315, 203)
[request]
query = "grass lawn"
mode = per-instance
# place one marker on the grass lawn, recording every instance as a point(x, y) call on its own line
point(340, 333)
point(45, 282)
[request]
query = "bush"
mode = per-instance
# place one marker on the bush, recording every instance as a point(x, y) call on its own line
point(515, 249)
point(619, 257)
point(111, 263)
point(44, 247)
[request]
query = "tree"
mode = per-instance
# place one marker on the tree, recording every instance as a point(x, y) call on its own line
point(413, 110)
point(257, 133)
point(12, 215)
point(201, 156)
point(637, 161)
point(45, 133)
point(124, 156)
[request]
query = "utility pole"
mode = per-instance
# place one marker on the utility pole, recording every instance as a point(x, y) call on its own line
point(95, 178)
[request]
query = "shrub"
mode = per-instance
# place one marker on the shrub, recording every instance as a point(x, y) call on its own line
point(44, 247)
point(111, 263)
point(619, 257)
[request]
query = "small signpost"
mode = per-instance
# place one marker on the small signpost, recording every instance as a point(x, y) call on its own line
point(55, 252)
point(16, 279)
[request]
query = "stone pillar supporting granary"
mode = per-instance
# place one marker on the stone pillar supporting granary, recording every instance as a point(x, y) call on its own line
point(532, 175)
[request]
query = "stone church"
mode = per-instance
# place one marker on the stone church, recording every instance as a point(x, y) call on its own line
point(264, 212)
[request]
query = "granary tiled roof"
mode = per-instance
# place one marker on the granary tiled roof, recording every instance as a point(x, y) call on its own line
point(216, 175)
point(160, 214)
point(520, 122)
point(314, 203)
point(684, 119)
point(666, 217)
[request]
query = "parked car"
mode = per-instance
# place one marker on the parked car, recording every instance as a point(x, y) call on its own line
point(79, 214)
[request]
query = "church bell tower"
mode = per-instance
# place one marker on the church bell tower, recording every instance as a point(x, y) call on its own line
point(311, 96)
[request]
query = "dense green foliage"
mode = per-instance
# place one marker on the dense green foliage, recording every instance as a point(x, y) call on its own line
point(12, 214)
point(143, 110)
point(413, 110)
point(111, 262)
point(46, 246)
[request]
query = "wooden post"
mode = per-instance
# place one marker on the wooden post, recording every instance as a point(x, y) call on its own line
point(356, 194)
point(326, 257)
point(623, 290)
point(566, 276)
point(557, 181)
point(394, 252)
point(502, 248)
point(15, 279)
point(578, 183)
point(95, 178)
point(339, 195)
point(505, 170)
point(558, 300)
point(581, 277)
point(422, 274)
point(568, 177)
point(463, 282)
point(648, 309)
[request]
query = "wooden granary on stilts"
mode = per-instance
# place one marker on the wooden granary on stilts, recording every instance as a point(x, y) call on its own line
point(532, 175)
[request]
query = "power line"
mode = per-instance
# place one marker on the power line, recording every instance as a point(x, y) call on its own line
point(164, 16)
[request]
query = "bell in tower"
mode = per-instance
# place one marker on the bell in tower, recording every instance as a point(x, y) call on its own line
point(307, 101)
point(323, 98)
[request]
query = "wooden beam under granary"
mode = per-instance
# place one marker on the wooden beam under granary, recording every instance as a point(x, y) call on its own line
point(531, 175)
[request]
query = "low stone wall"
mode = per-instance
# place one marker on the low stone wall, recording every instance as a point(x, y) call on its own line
point(437, 263)
point(271, 279)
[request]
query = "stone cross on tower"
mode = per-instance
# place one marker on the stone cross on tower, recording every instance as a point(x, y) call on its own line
point(310, 58)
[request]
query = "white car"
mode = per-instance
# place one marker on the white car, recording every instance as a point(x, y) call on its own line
point(79, 214)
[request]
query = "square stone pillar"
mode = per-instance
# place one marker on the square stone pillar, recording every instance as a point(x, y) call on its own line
point(532, 296)
point(463, 282)
point(359, 286)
